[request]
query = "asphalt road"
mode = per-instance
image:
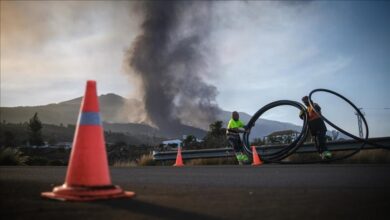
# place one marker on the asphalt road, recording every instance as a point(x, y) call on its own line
point(210, 192)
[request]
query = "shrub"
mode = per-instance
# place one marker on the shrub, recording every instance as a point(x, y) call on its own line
point(37, 161)
point(146, 160)
point(12, 156)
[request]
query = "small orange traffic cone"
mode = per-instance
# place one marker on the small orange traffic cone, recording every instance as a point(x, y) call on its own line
point(88, 177)
point(256, 159)
point(179, 159)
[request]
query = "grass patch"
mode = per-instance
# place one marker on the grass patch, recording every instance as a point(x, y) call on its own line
point(372, 156)
point(146, 160)
point(124, 163)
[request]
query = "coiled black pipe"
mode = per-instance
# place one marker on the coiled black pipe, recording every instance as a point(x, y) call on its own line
point(363, 140)
point(277, 157)
point(288, 150)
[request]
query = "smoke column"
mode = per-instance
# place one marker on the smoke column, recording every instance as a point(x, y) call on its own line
point(168, 58)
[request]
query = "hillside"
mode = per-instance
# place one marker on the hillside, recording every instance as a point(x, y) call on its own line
point(263, 127)
point(66, 112)
point(115, 118)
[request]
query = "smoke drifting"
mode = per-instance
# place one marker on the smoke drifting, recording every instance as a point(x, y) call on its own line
point(168, 58)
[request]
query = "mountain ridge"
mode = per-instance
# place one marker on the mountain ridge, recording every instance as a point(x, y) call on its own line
point(114, 117)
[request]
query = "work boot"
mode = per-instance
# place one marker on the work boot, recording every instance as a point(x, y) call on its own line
point(239, 158)
point(327, 155)
point(245, 159)
point(242, 159)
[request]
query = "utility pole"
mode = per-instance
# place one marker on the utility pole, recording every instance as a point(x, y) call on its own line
point(360, 123)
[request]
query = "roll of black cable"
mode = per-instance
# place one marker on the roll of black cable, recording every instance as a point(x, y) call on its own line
point(363, 140)
point(278, 156)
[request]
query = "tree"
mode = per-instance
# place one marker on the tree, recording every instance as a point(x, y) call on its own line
point(52, 141)
point(189, 140)
point(216, 129)
point(9, 139)
point(216, 137)
point(35, 131)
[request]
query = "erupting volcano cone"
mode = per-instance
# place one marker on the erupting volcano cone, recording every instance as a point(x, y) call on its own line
point(88, 177)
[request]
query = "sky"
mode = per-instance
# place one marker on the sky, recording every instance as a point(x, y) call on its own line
point(261, 52)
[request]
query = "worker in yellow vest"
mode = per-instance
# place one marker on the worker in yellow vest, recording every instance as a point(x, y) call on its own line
point(317, 128)
point(233, 130)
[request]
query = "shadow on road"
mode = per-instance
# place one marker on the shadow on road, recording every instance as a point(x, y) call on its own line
point(149, 209)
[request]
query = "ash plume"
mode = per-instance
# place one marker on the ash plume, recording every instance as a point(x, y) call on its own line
point(168, 60)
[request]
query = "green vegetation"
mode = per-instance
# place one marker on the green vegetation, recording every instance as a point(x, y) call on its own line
point(12, 156)
point(146, 160)
point(35, 128)
point(123, 149)
point(125, 163)
point(216, 136)
point(9, 139)
point(189, 141)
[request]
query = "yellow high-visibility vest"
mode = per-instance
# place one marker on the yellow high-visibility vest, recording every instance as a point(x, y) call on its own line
point(235, 124)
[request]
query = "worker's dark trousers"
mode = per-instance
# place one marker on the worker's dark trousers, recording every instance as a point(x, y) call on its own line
point(320, 141)
point(235, 142)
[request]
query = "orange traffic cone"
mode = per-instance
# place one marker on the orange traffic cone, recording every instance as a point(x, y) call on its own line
point(88, 177)
point(256, 159)
point(179, 159)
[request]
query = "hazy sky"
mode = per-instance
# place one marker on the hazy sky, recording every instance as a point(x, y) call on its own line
point(262, 52)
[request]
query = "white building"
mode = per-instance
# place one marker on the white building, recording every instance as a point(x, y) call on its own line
point(172, 144)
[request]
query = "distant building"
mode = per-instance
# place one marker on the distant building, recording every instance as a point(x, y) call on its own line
point(281, 137)
point(195, 138)
point(175, 143)
point(171, 144)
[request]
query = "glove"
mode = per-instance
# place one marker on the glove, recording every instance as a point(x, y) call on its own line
point(247, 128)
point(241, 130)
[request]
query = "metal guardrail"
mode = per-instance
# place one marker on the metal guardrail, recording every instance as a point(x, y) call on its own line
point(343, 145)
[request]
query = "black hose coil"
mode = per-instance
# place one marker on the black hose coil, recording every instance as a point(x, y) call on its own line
point(278, 156)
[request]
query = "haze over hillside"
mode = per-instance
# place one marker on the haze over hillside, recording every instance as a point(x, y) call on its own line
point(115, 117)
